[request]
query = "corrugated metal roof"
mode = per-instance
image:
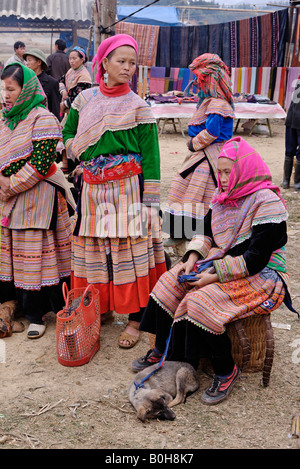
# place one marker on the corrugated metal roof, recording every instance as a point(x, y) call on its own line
point(77, 10)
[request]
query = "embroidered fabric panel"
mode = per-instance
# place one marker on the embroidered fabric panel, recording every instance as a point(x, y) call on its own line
point(44, 154)
point(230, 268)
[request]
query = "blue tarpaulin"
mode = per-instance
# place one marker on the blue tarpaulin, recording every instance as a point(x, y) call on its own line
point(157, 16)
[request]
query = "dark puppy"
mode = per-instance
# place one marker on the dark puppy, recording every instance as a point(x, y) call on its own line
point(164, 389)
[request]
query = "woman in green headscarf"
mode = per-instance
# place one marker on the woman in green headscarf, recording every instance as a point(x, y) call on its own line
point(35, 228)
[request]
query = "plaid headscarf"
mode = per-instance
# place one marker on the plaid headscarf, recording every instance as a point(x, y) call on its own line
point(213, 77)
point(31, 96)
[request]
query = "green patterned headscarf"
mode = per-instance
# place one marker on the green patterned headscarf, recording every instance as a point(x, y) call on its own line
point(31, 96)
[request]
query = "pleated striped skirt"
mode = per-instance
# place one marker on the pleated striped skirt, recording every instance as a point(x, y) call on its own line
point(124, 270)
point(190, 196)
point(110, 249)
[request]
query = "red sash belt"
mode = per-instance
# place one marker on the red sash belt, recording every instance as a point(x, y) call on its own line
point(125, 170)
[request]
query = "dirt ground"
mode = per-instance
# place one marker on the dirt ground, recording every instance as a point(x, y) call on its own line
point(45, 405)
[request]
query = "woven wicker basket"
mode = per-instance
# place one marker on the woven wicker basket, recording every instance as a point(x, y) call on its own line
point(252, 345)
point(256, 329)
point(151, 340)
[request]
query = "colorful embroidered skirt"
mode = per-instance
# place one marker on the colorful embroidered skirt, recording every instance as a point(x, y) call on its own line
point(34, 258)
point(190, 196)
point(217, 304)
point(124, 270)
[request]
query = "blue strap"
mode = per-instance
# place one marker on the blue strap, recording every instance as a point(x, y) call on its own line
point(204, 265)
point(160, 364)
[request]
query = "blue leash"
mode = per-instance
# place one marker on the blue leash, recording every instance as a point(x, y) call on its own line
point(200, 267)
point(160, 364)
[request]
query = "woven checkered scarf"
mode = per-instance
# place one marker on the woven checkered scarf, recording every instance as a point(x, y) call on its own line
point(213, 77)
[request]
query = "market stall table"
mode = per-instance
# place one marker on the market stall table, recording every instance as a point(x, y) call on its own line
point(257, 112)
point(174, 112)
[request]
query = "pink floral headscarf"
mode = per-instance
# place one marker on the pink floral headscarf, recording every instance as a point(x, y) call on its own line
point(107, 46)
point(249, 172)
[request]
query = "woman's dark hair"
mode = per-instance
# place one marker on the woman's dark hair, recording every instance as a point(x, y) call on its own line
point(80, 55)
point(15, 72)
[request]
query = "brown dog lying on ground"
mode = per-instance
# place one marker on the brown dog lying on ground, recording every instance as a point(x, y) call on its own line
point(166, 388)
point(7, 323)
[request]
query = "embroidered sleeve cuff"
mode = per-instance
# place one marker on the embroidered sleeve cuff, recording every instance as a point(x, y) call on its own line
point(24, 179)
point(68, 147)
point(201, 244)
point(202, 140)
point(230, 268)
point(151, 194)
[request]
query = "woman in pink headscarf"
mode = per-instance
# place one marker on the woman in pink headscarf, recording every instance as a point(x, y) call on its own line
point(234, 269)
point(117, 243)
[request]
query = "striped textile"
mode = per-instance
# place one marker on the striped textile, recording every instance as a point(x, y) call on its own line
point(213, 78)
point(37, 258)
point(99, 113)
point(142, 81)
point(147, 38)
point(124, 270)
point(292, 77)
point(273, 82)
point(15, 145)
point(157, 80)
point(211, 106)
point(112, 209)
point(162, 79)
point(265, 207)
point(192, 195)
point(217, 304)
point(202, 140)
point(244, 43)
point(33, 206)
point(74, 77)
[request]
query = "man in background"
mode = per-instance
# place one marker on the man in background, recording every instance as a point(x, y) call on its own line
point(58, 62)
point(19, 48)
point(36, 60)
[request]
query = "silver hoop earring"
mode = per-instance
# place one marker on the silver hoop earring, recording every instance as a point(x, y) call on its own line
point(105, 77)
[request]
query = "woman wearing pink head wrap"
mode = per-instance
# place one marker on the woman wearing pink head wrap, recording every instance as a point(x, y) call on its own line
point(234, 269)
point(113, 134)
point(108, 46)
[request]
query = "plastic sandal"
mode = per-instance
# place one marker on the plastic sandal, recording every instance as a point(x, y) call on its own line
point(35, 330)
point(125, 336)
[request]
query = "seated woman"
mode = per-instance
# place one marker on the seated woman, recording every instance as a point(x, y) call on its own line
point(239, 265)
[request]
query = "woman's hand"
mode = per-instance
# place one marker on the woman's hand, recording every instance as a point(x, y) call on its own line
point(187, 267)
point(205, 278)
point(5, 193)
point(150, 215)
point(63, 107)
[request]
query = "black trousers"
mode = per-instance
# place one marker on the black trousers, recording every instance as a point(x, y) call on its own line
point(136, 316)
point(34, 304)
point(188, 342)
point(292, 143)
